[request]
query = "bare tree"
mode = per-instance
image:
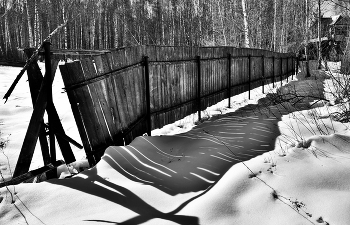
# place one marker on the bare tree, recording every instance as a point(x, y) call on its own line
point(245, 21)
point(274, 37)
point(319, 35)
point(307, 38)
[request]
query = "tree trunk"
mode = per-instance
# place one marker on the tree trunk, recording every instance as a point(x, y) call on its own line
point(307, 38)
point(29, 20)
point(259, 36)
point(274, 37)
point(221, 14)
point(319, 35)
point(36, 24)
point(245, 21)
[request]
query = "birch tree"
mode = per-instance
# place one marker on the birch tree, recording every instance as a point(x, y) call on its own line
point(99, 24)
point(245, 21)
point(307, 38)
point(319, 34)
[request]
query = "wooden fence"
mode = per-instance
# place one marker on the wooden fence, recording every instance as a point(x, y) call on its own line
point(15, 57)
point(120, 94)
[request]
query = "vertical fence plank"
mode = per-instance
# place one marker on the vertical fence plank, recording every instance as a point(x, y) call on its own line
point(82, 108)
point(281, 70)
point(148, 97)
point(98, 95)
point(229, 74)
point(287, 66)
point(263, 73)
point(273, 71)
point(249, 74)
point(199, 108)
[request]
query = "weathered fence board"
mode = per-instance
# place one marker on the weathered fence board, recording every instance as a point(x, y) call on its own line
point(108, 91)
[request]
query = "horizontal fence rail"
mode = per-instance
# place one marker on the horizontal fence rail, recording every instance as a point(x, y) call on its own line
point(120, 94)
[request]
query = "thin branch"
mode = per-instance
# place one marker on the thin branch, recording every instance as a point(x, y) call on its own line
point(343, 6)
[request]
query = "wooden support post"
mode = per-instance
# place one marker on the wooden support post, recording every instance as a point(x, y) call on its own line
point(263, 73)
point(229, 74)
point(273, 71)
point(148, 97)
point(35, 79)
point(249, 74)
point(48, 73)
point(199, 107)
point(36, 128)
point(31, 137)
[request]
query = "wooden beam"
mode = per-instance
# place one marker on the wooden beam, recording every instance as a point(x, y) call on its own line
point(35, 79)
point(35, 125)
point(27, 176)
point(31, 137)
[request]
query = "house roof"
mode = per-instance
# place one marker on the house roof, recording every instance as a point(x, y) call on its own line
point(335, 19)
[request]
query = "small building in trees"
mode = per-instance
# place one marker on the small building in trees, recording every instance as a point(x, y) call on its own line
point(335, 31)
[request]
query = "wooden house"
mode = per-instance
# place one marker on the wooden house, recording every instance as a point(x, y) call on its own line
point(335, 31)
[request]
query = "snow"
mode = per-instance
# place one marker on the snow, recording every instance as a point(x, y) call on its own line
point(254, 163)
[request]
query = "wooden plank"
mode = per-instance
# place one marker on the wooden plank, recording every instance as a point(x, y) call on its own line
point(97, 91)
point(86, 106)
point(35, 79)
point(164, 79)
point(29, 175)
point(183, 89)
point(199, 87)
point(138, 73)
point(123, 88)
point(116, 125)
point(117, 98)
point(160, 94)
point(132, 93)
point(154, 93)
point(32, 134)
point(72, 97)
point(162, 86)
point(104, 93)
point(147, 94)
point(152, 87)
point(170, 91)
point(126, 80)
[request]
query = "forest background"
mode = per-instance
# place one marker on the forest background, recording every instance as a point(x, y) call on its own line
point(277, 25)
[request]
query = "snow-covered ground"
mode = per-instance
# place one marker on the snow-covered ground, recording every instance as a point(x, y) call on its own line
point(256, 163)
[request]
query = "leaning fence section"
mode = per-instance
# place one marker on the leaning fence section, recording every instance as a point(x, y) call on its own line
point(120, 94)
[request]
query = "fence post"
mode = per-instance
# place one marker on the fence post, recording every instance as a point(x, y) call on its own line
point(229, 57)
point(281, 75)
point(148, 97)
point(199, 107)
point(263, 73)
point(294, 60)
point(287, 68)
point(249, 73)
point(273, 71)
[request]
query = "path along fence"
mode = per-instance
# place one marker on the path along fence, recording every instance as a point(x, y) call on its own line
point(120, 94)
